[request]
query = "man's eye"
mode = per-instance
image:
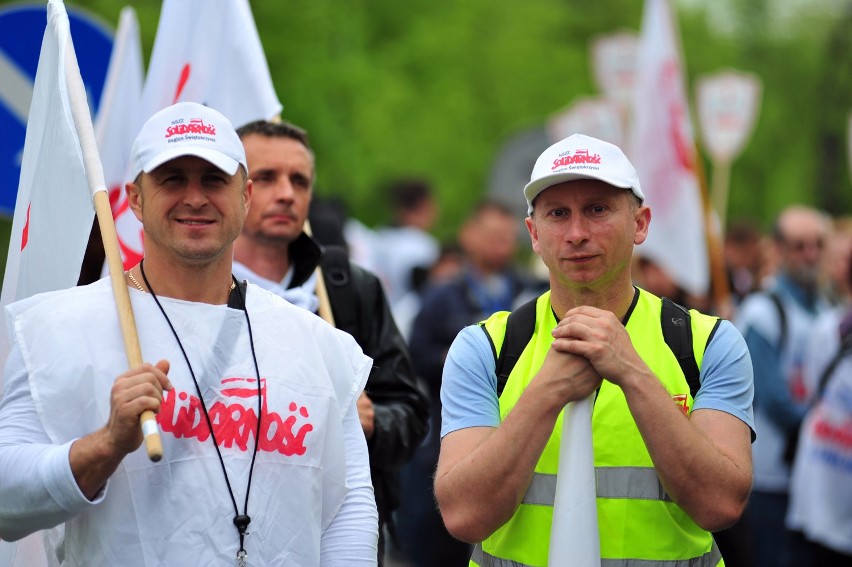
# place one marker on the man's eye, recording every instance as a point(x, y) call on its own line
point(300, 181)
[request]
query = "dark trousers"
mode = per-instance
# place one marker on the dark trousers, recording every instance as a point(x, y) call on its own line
point(423, 539)
point(774, 545)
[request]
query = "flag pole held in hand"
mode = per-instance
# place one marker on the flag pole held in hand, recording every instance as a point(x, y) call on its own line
point(95, 177)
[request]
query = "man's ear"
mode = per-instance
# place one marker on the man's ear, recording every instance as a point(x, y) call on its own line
point(643, 221)
point(533, 230)
point(134, 199)
point(247, 196)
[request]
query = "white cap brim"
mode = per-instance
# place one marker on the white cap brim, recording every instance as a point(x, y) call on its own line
point(534, 188)
point(227, 164)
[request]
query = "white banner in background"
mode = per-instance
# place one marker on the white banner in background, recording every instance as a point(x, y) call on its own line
point(663, 151)
point(727, 104)
point(116, 126)
point(594, 116)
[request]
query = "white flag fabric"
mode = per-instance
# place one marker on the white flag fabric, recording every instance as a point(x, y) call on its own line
point(663, 151)
point(116, 126)
point(53, 210)
point(574, 538)
point(209, 51)
point(205, 51)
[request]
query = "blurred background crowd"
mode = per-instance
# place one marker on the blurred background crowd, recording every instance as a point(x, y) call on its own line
point(426, 119)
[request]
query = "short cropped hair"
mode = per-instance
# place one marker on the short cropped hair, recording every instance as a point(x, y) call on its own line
point(275, 130)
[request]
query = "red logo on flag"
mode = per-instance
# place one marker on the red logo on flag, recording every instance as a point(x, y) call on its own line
point(184, 78)
point(25, 236)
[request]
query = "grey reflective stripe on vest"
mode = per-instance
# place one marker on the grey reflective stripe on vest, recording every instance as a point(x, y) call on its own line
point(709, 559)
point(637, 483)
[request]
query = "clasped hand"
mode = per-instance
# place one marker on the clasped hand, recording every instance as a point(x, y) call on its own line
point(590, 344)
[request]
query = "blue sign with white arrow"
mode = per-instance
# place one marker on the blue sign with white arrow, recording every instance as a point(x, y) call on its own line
point(21, 31)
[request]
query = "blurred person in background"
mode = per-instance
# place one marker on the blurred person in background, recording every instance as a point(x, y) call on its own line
point(488, 282)
point(776, 324)
point(448, 265)
point(274, 252)
point(836, 262)
point(820, 509)
point(650, 276)
point(399, 250)
point(742, 250)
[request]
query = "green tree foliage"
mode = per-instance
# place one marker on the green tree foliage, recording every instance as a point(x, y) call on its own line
point(434, 89)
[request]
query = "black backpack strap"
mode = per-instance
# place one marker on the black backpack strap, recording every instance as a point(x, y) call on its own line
point(337, 275)
point(677, 332)
point(782, 317)
point(520, 326)
point(844, 350)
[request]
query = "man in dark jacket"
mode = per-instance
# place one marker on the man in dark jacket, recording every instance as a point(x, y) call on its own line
point(274, 251)
point(488, 282)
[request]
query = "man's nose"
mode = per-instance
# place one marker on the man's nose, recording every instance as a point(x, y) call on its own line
point(195, 195)
point(284, 190)
point(577, 229)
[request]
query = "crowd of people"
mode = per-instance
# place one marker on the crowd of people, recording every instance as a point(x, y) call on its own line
point(419, 425)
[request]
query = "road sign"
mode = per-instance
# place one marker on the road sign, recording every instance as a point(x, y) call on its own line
point(21, 31)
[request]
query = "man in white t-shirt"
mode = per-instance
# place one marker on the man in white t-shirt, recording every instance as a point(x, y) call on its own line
point(264, 458)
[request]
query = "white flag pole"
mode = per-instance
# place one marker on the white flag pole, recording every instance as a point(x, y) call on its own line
point(95, 177)
point(574, 538)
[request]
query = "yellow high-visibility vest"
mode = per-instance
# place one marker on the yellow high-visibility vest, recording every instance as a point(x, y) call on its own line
point(638, 523)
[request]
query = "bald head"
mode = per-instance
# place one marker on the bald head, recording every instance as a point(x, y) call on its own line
point(800, 236)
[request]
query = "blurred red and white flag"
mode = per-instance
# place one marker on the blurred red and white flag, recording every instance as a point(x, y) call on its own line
point(53, 213)
point(116, 127)
point(662, 148)
point(205, 51)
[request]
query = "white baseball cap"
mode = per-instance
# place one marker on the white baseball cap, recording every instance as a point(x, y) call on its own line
point(187, 129)
point(581, 157)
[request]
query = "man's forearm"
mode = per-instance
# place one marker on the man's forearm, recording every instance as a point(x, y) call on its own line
point(483, 489)
point(93, 462)
point(704, 462)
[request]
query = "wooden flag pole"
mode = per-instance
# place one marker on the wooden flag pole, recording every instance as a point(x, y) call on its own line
point(718, 272)
point(720, 188)
point(95, 176)
point(324, 310)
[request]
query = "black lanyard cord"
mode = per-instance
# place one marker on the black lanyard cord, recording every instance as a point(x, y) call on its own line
point(241, 521)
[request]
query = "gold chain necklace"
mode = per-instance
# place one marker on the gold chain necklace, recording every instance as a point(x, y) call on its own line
point(129, 274)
